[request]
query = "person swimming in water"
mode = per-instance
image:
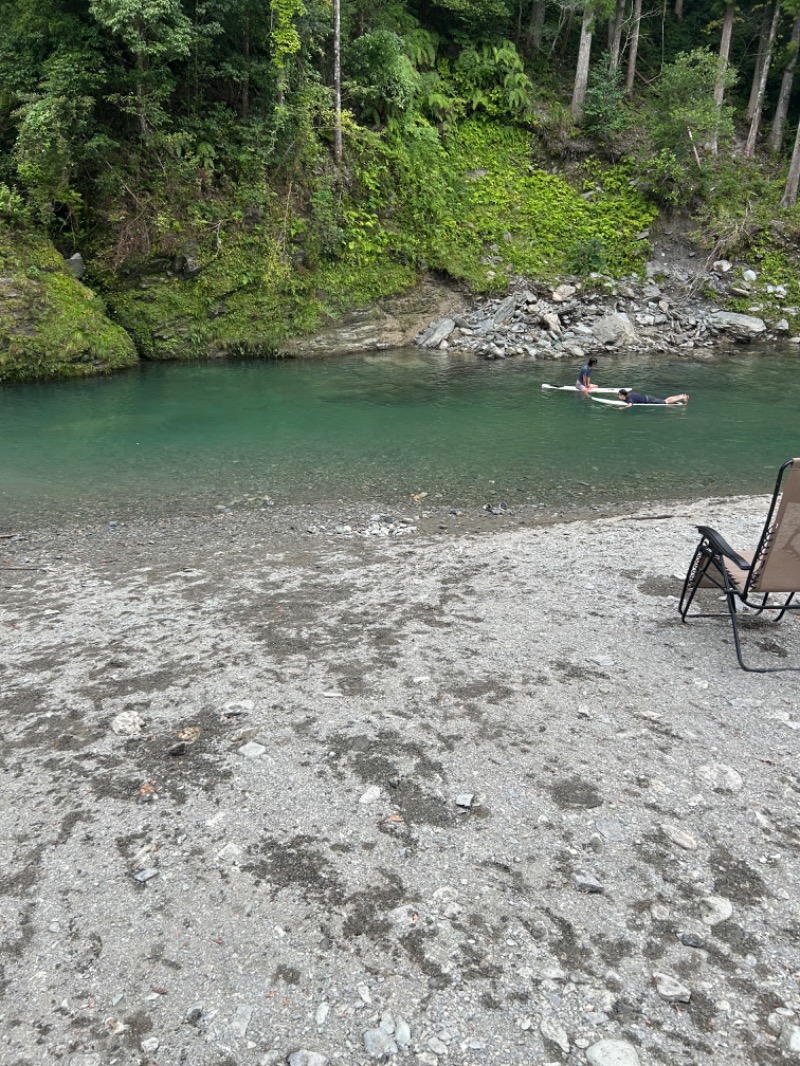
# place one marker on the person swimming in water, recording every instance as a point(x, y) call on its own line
point(630, 398)
point(584, 382)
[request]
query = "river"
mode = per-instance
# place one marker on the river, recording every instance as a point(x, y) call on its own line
point(188, 438)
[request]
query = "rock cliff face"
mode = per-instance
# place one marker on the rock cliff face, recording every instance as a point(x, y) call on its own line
point(50, 324)
point(392, 322)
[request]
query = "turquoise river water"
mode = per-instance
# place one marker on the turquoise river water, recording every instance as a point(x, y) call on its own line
point(381, 428)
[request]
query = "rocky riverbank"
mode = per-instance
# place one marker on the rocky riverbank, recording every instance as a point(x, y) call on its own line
point(446, 798)
point(662, 313)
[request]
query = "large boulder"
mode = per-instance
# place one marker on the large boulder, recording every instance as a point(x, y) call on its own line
point(52, 326)
point(614, 329)
point(439, 331)
point(742, 327)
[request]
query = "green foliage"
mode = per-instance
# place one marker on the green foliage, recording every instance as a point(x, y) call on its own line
point(606, 113)
point(740, 203)
point(478, 18)
point(492, 79)
point(684, 117)
point(54, 327)
point(667, 180)
point(55, 133)
point(150, 29)
point(14, 209)
point(284, 38)
point(381, 81)
point(510, 217)
point(587, 256)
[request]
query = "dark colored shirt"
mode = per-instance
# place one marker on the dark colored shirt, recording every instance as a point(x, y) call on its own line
point(642, 397)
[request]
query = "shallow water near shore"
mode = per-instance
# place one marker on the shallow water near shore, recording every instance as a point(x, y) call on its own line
point(172, 439)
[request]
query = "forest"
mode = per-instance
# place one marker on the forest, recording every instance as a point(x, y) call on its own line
point(245, 169)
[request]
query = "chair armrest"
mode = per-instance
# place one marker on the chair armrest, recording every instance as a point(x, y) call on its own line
point(722, 546)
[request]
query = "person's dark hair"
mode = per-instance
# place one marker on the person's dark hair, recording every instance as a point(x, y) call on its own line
point(592, 362)
point(624, 392)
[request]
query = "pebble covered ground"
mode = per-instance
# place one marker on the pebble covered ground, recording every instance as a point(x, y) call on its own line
point(437, 798)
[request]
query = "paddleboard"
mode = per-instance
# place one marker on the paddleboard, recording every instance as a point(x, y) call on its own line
point(571, 388)
point(621, 403)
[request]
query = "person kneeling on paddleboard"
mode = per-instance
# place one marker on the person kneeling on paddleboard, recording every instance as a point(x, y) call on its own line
point(630, 398)
point(584, 382)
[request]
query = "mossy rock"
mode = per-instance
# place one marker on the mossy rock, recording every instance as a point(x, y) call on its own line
point(52, 326)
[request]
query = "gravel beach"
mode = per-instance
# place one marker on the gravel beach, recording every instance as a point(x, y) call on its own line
point(447, 793)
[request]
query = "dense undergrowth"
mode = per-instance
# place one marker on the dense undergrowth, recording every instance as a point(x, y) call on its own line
point(473, 206)
point(224, 268)
point(197, 156)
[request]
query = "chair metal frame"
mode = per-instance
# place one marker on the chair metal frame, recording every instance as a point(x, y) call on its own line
point(708, 570)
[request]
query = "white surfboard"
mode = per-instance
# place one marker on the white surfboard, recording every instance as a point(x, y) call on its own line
point(571, 388)
point(621, 403)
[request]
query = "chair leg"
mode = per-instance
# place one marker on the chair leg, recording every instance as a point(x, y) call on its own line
point(731, 601)
point(694, 576)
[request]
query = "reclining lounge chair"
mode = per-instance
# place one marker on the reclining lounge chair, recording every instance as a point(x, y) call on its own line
point(749, 579)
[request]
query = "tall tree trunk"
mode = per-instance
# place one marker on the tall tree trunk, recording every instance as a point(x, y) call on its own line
point(141, 106)
point(337, 82)
point(536, 25)
point(678, 9)
point(724, 56)
point(793, 178)
point(615, 35)
point(787, 83)
point(755, 122)
point(633, 46)
point(763, 35)
point(582, 69)
point(246, 79)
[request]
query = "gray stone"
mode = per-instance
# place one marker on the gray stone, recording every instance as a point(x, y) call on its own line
point(307, 1058)
point(715, 909)
point(691, 939)
point(789, 1040)
point(612, 1053)
point(614, 329)
point(251, 750)
point(587, 884)
point(146, 875)
point(439, 331)
point(720, 777)
point(402, 1032)
point(128, 724)
point(679, 836)
point(76, 265)
point(241, 1019)
point(552, 1031)
point(743, 327)
point(611, 829)
point(563, 292)
point(670, 989)
point(377, 1043)
point(505, 311)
